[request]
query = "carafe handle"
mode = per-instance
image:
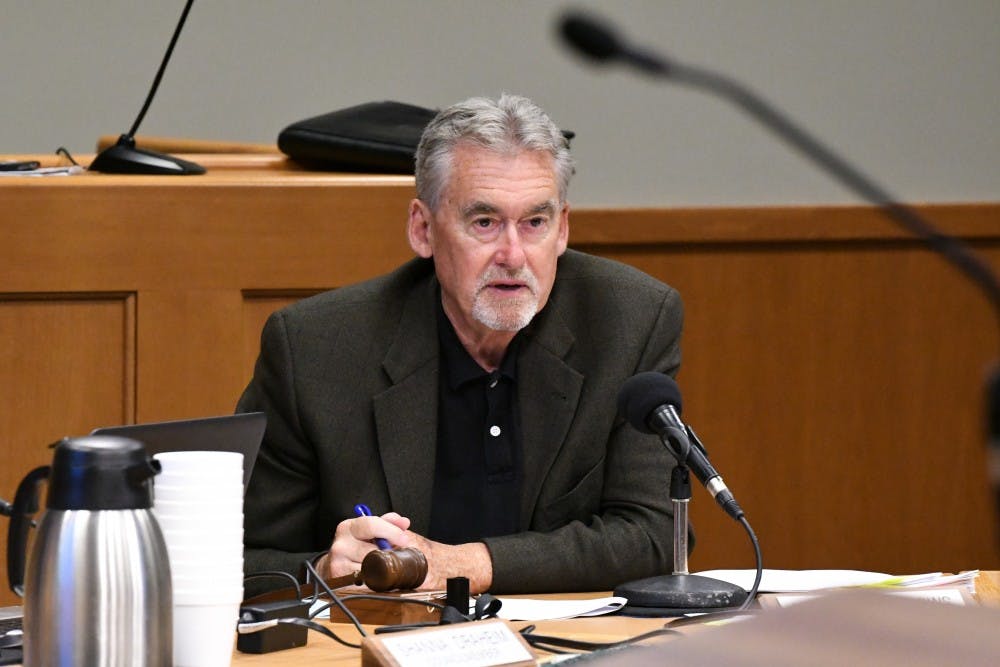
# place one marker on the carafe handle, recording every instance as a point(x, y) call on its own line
point(138, 474)
point(25, 505)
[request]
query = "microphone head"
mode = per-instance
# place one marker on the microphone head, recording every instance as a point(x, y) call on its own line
point(643, 393)
point(589, 37)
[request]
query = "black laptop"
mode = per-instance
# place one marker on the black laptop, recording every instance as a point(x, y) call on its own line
point(229, 433)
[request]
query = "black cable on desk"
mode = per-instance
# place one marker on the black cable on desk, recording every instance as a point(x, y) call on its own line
point(552, 644)
point(336, 600)
point(247, 628)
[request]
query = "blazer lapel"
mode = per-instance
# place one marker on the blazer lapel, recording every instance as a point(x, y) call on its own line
point(549, 390)
point(406, 412)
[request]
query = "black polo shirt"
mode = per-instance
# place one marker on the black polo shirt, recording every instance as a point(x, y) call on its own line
point(477, 472)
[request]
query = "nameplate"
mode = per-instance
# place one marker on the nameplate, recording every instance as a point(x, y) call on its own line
point(476, 644)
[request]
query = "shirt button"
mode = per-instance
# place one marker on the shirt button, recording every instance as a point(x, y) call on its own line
point(494, 383)
point(494, 430)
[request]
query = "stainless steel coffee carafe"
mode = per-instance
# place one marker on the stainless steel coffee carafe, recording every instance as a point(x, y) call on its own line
point(97, 584)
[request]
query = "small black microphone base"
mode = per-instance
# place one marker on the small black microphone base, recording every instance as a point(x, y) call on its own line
point(125, 158)
point(678, 594)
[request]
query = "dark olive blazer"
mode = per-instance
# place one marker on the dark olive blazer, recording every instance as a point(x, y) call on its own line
point(348, 380)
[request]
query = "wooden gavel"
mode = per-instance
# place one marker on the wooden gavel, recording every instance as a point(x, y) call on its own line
point(381, 570)
point(387, 570)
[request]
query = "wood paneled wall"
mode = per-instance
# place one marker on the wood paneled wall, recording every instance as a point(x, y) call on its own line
point(832, 365)
point(835, 370)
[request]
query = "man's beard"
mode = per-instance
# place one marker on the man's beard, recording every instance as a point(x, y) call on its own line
point(505, 313)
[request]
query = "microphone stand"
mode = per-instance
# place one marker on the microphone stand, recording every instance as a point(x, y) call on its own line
point(681, 592)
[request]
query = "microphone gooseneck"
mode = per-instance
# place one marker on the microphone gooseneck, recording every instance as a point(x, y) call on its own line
point(163, 68)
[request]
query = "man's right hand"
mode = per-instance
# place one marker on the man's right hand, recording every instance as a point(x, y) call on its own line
point(353, 541)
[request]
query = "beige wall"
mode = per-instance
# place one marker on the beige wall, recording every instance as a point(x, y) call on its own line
point(906, 88)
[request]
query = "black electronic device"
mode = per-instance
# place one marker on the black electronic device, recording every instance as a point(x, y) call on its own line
point(18, 165)
point(125, 157)
point(279, 637)
point(457, 594)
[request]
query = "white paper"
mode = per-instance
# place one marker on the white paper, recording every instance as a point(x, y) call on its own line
point(46, 171)
point(798, 581)
point(931, 594)
point(522, 609)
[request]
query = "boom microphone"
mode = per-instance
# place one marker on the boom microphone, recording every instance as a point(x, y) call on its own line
point(600, 44)
point(651, 402)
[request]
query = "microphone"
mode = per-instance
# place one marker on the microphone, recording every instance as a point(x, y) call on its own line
point(651, 402)
point(600, 43)
point(124, 157)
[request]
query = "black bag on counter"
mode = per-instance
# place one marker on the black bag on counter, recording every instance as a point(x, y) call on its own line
point(379, 137)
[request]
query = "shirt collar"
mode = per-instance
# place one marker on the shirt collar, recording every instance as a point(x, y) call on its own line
point(458, 366)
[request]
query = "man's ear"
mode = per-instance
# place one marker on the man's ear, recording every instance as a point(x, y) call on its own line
point(563, 228)
point(418, 229)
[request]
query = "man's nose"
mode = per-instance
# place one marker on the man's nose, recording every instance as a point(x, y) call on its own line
point(510, 251)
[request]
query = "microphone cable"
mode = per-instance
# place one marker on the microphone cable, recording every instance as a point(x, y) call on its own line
point(752, 593)
point(551, 644)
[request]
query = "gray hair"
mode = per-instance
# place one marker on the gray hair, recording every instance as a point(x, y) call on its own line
point(508, 124)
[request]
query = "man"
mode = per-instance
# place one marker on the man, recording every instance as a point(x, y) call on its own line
point(470, 395)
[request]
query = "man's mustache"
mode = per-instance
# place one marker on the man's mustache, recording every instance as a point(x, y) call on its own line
point(494, 275)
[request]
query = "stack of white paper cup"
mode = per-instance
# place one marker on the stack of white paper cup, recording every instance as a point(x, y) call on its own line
point(198, 502)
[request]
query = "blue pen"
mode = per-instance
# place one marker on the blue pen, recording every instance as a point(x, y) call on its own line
point(363, 510)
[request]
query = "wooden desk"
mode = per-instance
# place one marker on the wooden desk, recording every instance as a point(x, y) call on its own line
point(833, 366)
point(321, 650)
point(324, 651)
